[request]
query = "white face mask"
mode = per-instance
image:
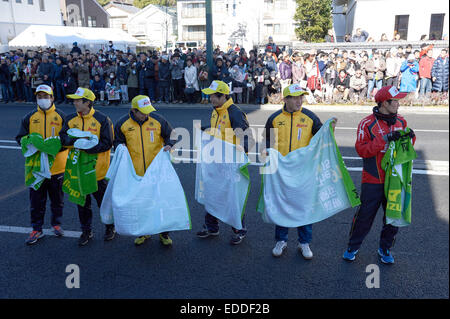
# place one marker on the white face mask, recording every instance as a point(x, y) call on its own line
point(44, 104)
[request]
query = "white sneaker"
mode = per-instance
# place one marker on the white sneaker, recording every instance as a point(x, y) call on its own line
point(280, 246)
point(306, 251)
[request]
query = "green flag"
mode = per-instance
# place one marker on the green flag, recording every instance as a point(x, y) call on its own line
point(397, 163)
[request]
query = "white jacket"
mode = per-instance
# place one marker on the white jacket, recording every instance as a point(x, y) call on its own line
point(190, 77)
point(392, 67)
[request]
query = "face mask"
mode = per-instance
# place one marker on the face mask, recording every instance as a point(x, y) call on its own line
point(44, 104)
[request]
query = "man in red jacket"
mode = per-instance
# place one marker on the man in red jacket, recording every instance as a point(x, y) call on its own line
point(425, 66)
point(373, 137)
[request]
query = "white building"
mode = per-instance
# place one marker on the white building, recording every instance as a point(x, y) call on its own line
point(410, 18)
point(17, 15)
point(120, 13)
point(246, 22)
point(154, 26)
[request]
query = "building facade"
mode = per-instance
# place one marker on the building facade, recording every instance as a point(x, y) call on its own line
point(247, 23)
point(17, 15)
point(154, 26)
point(84, 13)
point(120, 13)
point(412, 19)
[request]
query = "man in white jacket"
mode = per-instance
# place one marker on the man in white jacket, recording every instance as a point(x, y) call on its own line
point(393, 64)
point(190, 77)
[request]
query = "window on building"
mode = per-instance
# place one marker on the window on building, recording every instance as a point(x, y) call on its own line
point(30, 2)
point(436, 26)
point(401, 26)
point(18, 1)
point(92, 21)
point(193, 10)
point(268, 5)
point(195, 32)
point(42, 5)
point(281, 4)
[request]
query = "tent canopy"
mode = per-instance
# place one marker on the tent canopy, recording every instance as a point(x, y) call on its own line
point(62, 36)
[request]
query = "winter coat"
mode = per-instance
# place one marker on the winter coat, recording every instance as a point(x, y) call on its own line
point(358, 83)
point(46, 69)
point(223, 72)
point(5, 76)
point(176, 69)
point(409, 82)
point(425, 66)
point(98, 86)
point(132, 77)
point(370, 69)
point(285, 70)
point(440, 72)
point(83, 75)
point(298, 72)
point(164, 71)
point(190, 77)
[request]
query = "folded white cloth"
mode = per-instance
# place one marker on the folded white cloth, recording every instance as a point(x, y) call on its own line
point(144, 205)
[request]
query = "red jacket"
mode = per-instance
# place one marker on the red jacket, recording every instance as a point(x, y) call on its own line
point(425, 66)
point(371, 146)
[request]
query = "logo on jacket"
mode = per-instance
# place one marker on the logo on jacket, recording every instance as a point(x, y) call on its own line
point(130, 129)
point(75, 126)
point(36, 121)
point(281, 123)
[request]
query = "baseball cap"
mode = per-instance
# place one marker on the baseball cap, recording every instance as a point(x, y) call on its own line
point(142, 103)
point(82, 93)
point(217, 87)
point(389, 93)
point(294, 90)
point(44, 88)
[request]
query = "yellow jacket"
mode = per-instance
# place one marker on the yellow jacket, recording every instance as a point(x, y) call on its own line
point(98, 124)
point(47, 123)
point(143, 139)
point(227, 118)
point(295, 129)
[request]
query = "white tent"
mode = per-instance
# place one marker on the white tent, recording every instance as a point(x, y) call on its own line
point(62, 37)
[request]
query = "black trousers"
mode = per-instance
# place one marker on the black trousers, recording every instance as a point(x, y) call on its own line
point(38, 202)
point(85, 212)
point(372, 196)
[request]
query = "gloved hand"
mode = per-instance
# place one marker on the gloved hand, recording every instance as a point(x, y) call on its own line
point(411, 133)
point(392, 136)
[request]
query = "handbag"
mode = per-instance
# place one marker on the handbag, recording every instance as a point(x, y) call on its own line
point(189, 90)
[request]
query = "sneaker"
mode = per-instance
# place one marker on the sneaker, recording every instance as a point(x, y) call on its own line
point(206, 233)
point(280, 246)
point(85, 237)
point(110, 233)
point(58, 231)
point(306, 251)
point(386, 256)
point(350, 255)
point(165, 240)
point(34, 237)
point(140, 240)
point(237, 239)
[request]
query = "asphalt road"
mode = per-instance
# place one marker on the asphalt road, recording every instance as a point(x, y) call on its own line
point(212, 268)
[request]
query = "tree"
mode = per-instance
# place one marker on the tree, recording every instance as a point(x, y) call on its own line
point(143, 3)
point(314, 19)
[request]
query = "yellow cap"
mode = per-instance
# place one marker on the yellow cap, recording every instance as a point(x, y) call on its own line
point(143, 104)
point(217, 87)
point(82, 93)
point(44, 88)
point(294, 90)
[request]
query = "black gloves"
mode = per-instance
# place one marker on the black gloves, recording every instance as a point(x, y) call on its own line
point(392, 136)
point(411, 133)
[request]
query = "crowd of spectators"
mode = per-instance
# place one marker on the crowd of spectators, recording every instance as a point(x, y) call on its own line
point(257, 76)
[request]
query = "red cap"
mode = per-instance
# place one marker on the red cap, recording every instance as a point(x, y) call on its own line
point(389, 93)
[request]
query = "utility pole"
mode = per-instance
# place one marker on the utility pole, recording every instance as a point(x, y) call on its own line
point(209, 37)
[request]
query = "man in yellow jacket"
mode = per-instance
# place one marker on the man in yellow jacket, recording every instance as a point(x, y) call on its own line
point(144, 132)
point(229, 123)
point(294, 128)
point(47, 121)
point(88, 119)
